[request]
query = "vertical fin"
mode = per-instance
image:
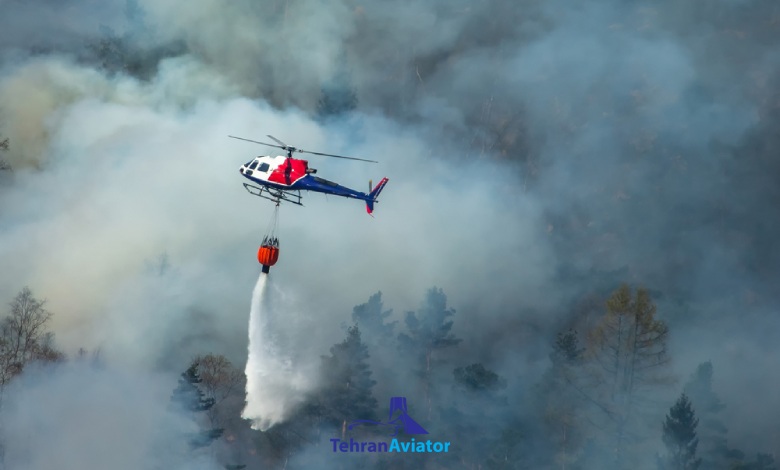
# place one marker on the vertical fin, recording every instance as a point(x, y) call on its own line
point(373, 194)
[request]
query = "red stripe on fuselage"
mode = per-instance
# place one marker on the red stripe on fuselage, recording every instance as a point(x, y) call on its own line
point(289, 172)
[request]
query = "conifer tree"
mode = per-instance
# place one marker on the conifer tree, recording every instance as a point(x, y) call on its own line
point(712, 432)
point(477, 378)
point(348, 394)
point(429, 332)
point(470, 415)
point(561, 398)
point(567, 350)
point(371, 317)
point(679, 437)
point(188, 397)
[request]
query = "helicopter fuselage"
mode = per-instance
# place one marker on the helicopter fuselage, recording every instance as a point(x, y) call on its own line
point(291, 174)
point(283, 178)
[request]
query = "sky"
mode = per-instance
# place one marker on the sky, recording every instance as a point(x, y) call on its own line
point(533, 149)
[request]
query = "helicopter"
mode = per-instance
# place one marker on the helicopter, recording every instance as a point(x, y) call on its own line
point(282, 178)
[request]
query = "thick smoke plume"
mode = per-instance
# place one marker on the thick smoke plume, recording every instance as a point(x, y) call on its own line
point(83, 415)
point(539, 153)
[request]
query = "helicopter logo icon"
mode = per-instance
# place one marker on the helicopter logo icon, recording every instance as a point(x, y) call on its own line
point(398, 418)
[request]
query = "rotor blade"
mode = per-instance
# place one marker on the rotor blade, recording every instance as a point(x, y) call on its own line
point(284, 146)
point(255, 141)
point(336, 156)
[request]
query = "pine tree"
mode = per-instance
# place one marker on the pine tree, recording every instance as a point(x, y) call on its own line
point(567, 350)
point(187, 397)
point(561, 397)
point(471, 415)
point(477, 378)
point(348, 394)
point(679, 437)
point(712, 432)
point(371, 317)
point(429, 332)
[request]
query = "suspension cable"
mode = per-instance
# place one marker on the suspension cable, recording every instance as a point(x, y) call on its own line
point(270, 231)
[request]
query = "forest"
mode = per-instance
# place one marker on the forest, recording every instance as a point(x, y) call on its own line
point(593, 406)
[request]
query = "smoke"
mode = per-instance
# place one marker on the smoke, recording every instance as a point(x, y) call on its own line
point(81, 415)
point(47, 25)
point(536, 152)
point(276, 377)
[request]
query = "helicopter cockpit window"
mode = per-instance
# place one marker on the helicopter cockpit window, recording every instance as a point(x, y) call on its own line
point(263, 167)
point(253, 165)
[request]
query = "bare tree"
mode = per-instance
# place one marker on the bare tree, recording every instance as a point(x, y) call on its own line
point(628, 348)
point(23, 336)
point(220, 380)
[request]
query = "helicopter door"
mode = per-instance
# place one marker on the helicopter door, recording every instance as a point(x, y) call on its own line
point(261, 169)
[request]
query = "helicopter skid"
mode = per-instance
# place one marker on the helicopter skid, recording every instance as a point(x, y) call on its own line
point(275, 195)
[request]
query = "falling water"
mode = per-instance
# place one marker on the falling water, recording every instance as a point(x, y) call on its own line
point(273, 385)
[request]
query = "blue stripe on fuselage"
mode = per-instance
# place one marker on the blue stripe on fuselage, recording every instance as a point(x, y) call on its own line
point(312, 183)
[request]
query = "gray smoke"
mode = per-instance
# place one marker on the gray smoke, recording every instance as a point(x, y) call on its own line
point(83, 416)
point(537, 151)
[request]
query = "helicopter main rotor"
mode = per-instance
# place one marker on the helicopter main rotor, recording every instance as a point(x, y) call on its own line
point(290, 150)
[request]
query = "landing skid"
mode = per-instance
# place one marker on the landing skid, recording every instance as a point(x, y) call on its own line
point(275, 195)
